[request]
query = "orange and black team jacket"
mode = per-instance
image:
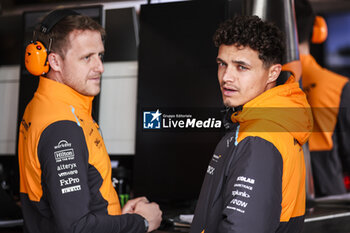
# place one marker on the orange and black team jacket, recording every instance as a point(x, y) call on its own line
point(329, 96)
point(255, 181)
point(65, 171)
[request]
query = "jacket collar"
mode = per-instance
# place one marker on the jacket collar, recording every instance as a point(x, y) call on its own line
point(285, 106)
point(308, 60)
point(64, 93)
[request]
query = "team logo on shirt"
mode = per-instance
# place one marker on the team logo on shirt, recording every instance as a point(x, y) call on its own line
point(97, 142)
point(239, 203)
point(66, 154)
point(216, 158)
point(71, 189)
point(246, 179)
point(210, 170)
point(240, 193)
point(63, 144)
point(152, 119)
point(25, 124)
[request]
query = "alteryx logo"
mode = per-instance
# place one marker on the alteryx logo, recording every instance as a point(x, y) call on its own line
point(152, 119)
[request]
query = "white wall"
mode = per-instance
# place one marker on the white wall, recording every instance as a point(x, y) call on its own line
point(9, 92)
point(117, 115)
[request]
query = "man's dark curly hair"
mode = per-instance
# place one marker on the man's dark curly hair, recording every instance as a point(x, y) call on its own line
point(263, 37)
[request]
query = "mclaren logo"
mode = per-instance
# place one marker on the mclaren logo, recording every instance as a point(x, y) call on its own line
point(26, 125)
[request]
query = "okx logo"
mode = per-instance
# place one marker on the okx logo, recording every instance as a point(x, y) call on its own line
point(151, 120)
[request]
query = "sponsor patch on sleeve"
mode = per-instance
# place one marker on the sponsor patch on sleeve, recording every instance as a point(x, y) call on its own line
point(241, 193)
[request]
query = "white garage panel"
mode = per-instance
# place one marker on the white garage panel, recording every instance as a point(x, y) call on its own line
point(117, 115)
point(9, 88)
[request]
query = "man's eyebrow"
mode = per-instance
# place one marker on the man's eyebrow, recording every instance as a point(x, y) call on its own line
point(220, 60)
point(239, 62)
point(87, 55)
point(92, 53)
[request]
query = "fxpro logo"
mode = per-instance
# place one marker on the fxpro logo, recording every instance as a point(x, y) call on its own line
point(152, 119)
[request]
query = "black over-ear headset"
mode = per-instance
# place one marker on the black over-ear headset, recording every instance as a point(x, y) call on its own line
point(36, 54)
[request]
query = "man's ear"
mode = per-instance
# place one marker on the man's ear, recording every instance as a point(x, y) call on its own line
point(55, 62)
point(274, 72)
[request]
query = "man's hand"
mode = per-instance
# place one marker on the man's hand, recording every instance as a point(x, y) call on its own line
point(151, 212)
point(129, 207)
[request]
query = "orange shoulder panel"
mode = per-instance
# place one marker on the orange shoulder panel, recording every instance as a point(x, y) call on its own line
point(293, 178)
point(323, 89)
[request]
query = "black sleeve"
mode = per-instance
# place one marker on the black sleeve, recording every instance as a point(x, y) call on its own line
point(343, 128)
point(63, 157)
point(253, 190)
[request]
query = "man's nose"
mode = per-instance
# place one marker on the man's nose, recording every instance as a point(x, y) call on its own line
point(229, 75)
point(99, 65)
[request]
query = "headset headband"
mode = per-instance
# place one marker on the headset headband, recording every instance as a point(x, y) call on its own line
point(53, 18)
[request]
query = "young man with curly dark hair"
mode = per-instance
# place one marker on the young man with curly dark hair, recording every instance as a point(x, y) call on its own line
point(255, 181)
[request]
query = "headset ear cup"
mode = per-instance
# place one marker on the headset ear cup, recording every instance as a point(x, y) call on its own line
point(35, 59)
point(320, 30)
